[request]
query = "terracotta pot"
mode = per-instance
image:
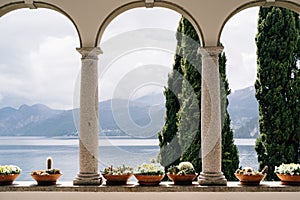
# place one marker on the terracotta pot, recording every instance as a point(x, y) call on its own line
point(46, 179)
point(8, 179)
point(182, 179)
point(289, 179)
point(149, 179)
point(250, 179)
point(116, 179)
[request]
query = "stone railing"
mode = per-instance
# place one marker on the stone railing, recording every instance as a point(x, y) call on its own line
point(28, 186)
point(166, 190)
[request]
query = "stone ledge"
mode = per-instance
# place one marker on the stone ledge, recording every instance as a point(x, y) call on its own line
point(28, 186)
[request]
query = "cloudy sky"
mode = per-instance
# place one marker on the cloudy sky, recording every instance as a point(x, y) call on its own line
point(39, 63)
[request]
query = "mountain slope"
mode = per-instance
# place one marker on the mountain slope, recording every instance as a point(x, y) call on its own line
point(243, 110)
point(141, 117)
point(40, 120)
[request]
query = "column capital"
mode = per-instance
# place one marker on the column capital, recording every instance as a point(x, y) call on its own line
point(210, 51)
point(90, 52)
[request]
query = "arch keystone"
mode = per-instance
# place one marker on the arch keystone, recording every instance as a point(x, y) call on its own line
point(30, 4)
point(269, 3)
point(149, 3)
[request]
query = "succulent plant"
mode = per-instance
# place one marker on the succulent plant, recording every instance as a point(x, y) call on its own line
point(173, 169)
point(182, 169)
point(46, 172)
point(249, 171)
point(186, 166)
point(49, 169)
point(49, 163)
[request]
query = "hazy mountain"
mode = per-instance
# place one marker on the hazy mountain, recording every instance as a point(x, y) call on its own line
point(152, 99)
point(40, 120)
point(141, 117)
point(35, 120)
point(123, 117)
point(243, 110)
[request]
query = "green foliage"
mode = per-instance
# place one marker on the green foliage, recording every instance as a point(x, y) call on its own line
point(181, 135)
point(189, 114)
point(170, 150)
point(46, 172)
point(288, 169)
point(230, 158)
point(277, 88)
point(9, 169)
point(119, 170)
point(182, 169)
point(149, 169)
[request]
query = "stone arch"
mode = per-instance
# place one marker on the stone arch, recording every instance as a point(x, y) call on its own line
point(139, 4)
point(19, 5)
point(278, 3)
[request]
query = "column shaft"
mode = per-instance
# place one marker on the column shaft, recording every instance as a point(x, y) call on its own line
point(88, 131)
point(211, 138)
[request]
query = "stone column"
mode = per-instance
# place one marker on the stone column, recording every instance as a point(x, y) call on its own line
point(211, 138)
point(88, 131)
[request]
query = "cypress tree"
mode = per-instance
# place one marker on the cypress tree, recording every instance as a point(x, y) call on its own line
point(189, 114)
point(168, 141)
point(294, 92)
point(276, 89)
point(230, 158)
point(180, 138)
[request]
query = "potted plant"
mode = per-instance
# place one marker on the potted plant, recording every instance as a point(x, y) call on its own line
point(149, 174)
point(118, 175)
point(247, 176)
point(182, 174)
point(9, 173)
point(48, 176)
point(289, 174)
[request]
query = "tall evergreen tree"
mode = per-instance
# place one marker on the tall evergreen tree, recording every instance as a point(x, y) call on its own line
point(294, 91)
point(170, 150)
point(189, 133)
point(181, 141)
point(277, 88)
point(230, 158)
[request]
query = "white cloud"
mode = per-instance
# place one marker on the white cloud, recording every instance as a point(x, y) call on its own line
point(132, 65)
point(238, 38)
point(54, 70)
point(131, 62)
point(39, 63)
point(140, 18)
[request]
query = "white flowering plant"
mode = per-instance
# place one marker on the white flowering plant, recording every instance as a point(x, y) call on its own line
point(119, 170)
point(149, 169)
point(288, 169)
point(9, 169)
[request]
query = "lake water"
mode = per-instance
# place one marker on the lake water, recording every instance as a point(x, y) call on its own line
point(30, 153)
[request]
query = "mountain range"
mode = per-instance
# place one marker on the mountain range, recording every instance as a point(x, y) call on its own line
point(141, 117)
point(243, 111)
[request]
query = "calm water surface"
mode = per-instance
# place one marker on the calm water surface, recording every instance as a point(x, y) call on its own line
point(30, 153)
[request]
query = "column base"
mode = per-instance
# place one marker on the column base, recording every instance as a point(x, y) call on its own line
point(87, 179)
point(207, 179)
